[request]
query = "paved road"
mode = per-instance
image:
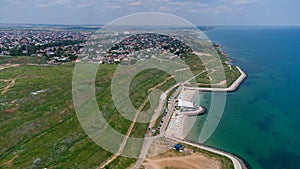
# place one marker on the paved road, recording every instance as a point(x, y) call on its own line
point(146, 142)
point(160, 106)
point(238, 164)
point(149, 140)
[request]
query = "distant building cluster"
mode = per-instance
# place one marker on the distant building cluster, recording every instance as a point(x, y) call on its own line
point(147, 41)
point(109, 47)
point(134, 47)
point(54, 45)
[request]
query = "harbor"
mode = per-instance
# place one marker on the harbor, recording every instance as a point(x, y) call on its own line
point(185, 105)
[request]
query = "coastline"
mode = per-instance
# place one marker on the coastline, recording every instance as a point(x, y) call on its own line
point(237, 161)
point(174, 123)
point(232, 88)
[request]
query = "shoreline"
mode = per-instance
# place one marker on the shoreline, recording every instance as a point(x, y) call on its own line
point(238, 162)
point(234, 86)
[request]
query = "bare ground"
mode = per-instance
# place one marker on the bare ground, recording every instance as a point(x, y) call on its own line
point(161, 155)
point(192, 161)
point(11, 84)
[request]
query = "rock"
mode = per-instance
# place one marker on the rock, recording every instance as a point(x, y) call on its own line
point(37, 161)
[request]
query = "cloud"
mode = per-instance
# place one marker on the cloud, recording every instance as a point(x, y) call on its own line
point(62, 1)
point(241, 2)
point(43, 5)
point(83, 4)
point(187, 6)
point(136, 3)
point(116, 7)
point(49, 4)
point(221, 9)
point(195, 7)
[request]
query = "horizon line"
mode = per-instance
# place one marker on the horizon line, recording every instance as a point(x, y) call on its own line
point(212, 25)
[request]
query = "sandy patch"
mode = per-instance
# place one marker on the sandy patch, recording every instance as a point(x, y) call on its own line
point(202, 54)
point(162, 155)
point(11, 84)
point(193, 161)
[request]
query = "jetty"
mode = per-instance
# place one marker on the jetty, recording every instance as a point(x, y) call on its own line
point(231, 88)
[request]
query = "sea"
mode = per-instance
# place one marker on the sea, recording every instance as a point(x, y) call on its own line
point(261, 120)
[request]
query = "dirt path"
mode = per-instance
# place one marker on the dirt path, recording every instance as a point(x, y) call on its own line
point(220, 84)
point(7, 66)
point(11, 84)
point(133, 123)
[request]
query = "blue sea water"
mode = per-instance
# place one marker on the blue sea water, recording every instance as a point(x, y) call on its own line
point(261, 120)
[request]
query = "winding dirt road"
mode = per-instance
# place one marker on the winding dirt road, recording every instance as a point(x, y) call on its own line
point(107, 162)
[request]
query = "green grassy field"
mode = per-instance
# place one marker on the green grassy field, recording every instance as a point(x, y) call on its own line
point(231, 73)
point(21, 60)
point(45, 125)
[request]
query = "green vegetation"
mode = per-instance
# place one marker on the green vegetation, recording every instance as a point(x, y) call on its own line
point(42, 130)
point(121, 162)
point(194, 63)
point(145, 80)
point(21, 60)
point(231, 73)
point(45, 125)
point(203, 79)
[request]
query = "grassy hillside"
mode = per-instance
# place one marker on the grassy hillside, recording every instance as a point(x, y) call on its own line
point(39, 127)
point(45, 125)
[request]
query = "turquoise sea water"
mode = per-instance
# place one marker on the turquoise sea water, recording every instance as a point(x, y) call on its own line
point(261, 120)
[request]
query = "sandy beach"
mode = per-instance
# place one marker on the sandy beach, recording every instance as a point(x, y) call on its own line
point(176, 127)
point(177, 124)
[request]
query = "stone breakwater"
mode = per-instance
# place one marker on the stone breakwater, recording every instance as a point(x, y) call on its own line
point(232, 88)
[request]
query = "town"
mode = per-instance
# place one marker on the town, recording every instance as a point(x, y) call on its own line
point(54, 45)
point(130, 46)
point(58, 46)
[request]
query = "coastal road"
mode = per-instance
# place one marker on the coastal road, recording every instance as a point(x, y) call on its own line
point(121, 148)
point(238, 163)
point(149, 140)
point(161, 104)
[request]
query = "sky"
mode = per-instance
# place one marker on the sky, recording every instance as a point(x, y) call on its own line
point(199, 12)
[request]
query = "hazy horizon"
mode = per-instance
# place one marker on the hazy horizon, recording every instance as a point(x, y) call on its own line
point(203, 12)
